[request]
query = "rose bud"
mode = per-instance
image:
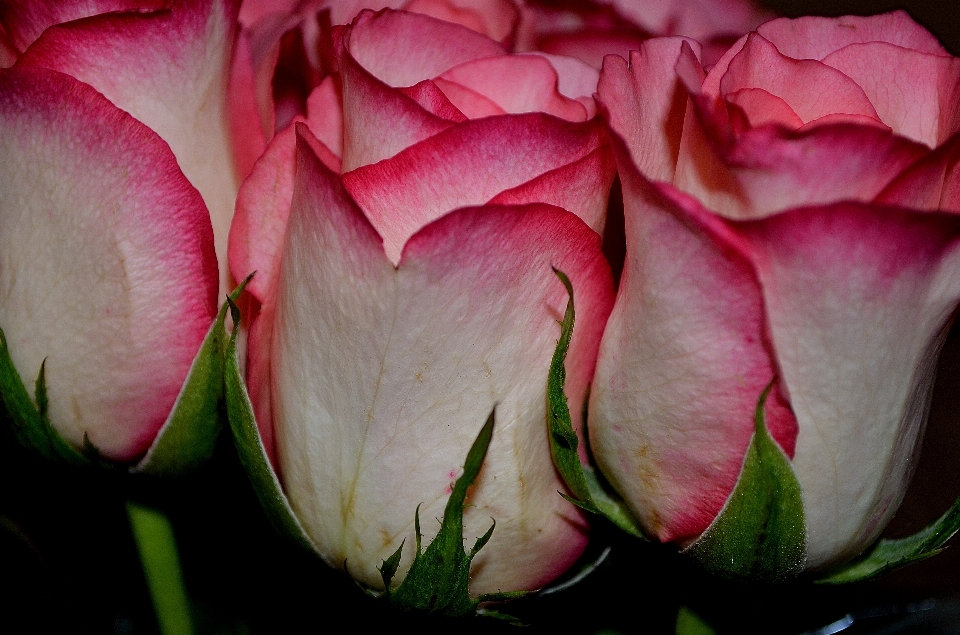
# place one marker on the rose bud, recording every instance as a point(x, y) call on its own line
point(790, 218)
point(394, 305)
point(116, 185)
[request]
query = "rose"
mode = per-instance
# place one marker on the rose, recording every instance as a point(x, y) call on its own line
point(794, 224)
point(395, 305)
point(109, 274)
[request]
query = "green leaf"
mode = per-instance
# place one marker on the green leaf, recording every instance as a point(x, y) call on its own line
point(252, 454)
point(689, 623)
point(760, 533)
point(189, 436)
point(30, 422)
point(584, 483)
point(437, 582)
point(888, 554)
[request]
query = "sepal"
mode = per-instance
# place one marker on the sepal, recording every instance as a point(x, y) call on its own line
point(589, 492)
point(689, 623)
point(760, 533)
point(252, 454)
point(889, 554)
point(189, 435)
point(438, 580)
point(29, 416)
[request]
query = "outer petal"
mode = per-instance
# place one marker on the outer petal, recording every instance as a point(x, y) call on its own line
point(684, 359)
point(256, 244)
point(382, 374)
point(25, 21)
point(645, 104)
point(170, 71)
point(469, 165)
point(108, 270)
point(859, 298)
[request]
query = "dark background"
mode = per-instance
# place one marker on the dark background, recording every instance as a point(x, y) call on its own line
point(68, 563)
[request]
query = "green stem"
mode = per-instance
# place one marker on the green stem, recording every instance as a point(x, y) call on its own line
point(153, 534)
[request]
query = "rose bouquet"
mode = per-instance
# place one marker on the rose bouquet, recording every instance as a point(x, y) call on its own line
point(413, 196)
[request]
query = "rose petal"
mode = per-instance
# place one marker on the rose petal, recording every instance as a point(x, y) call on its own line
point(472, 104)
point(109, 273)
point(325, 114)
point(170, 71)
point(683, 361)
point(759, 171)
point(467, 165)
point(914, 93)
point(645, 104)
point(812, 89)
point(762, 108)
point(932, 183)
point(246, 130)
point(401, 49)
point(497, 19)
point(858, 298)
point(25, 21)
point(432, 99)
point(575, 78)
point(582, 186)
point(517, 84)
point(376, 412)
point(814, 38)
point(256, 244)
point(698, 19)
point(8, 52)
point(379, 121)
point(593, 45)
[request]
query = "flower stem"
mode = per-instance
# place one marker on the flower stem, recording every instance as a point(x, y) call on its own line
point(153, 534)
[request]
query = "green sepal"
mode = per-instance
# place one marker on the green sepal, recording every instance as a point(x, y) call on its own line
point(438, 580)
point(29, 416)
point(760, 533)
point(689, 623)
point(250, 450)
point(584, 483)
point(189, 436)
point(888, 554)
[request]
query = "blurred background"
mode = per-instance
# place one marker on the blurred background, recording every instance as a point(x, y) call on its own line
point(68, 563)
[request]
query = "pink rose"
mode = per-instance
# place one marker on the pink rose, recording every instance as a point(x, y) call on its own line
point(396, 303)
point(789, 215)
point(111, 123)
